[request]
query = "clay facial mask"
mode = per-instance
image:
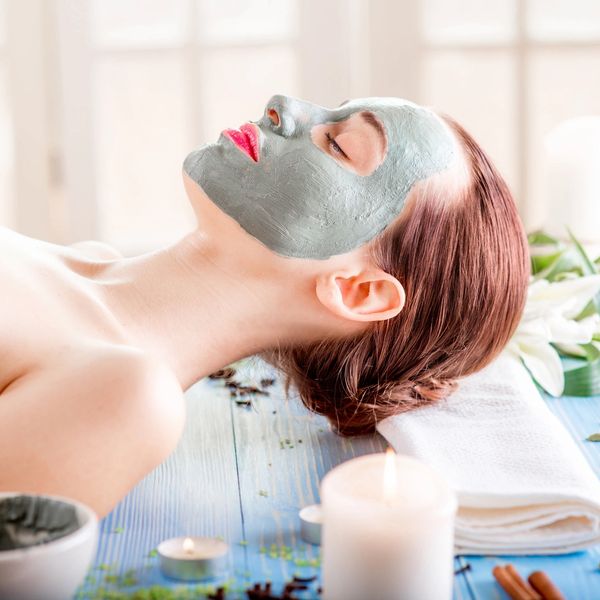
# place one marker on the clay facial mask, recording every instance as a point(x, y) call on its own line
point(293, 194)
point(32, 520)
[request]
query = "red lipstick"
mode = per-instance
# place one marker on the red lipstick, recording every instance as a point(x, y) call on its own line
point(246, 139)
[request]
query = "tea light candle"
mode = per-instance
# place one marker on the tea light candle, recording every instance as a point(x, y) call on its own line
point(388, 530)
point(311, 519)
point(192, 558)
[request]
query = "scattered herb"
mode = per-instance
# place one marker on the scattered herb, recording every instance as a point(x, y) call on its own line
point(241, 393)
point(153, 553)
point(286, 443)
point(118, 530)
point(300, 579)
point(462, 569)
point(129, 578)
point(243, 542)
point(263, 493)
point(242, 401)
point(226, 373)
point(595, 437)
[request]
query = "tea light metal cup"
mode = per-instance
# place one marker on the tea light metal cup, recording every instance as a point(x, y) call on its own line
point(193, 558)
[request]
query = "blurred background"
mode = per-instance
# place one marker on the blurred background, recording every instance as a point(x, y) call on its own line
point(101, 100)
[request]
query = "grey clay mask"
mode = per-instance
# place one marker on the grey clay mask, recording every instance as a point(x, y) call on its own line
point(298, 200)
point(31, 520)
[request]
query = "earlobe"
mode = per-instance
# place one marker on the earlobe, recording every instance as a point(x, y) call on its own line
point(370, 295)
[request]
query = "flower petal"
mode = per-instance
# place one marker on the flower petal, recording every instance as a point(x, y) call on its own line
point(567, 331)
point(570, 295)
point(545, 366)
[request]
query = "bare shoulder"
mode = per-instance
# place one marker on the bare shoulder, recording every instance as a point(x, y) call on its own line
point(100, 368)
point(95, 249)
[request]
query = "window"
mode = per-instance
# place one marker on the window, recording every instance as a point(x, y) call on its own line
point(101, 100)
point(510, 71)
point(167, 76)
point(7, 217)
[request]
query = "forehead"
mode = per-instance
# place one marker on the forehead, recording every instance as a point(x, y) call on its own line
point(403, 121)
point(399, 117)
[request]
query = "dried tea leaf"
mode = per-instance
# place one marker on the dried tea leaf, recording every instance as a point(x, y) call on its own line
point(595, 437)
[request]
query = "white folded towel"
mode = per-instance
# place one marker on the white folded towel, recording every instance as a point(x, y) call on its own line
point(522, 483)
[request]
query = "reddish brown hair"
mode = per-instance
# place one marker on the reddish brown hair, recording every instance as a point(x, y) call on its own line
point(464, 264)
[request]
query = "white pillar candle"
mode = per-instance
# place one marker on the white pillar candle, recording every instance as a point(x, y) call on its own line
point(388, 530)
point(572, 181)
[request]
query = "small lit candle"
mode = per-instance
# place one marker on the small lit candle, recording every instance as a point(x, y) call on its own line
point(311, 519)
point(388, 530)
point(193, 558)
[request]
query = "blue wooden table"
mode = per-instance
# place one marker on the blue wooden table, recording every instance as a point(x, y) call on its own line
point(243, 472)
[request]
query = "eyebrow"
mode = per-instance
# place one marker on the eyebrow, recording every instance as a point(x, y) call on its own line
point(372, 120)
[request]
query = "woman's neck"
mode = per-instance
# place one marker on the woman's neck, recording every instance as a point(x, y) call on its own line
point(199, 310)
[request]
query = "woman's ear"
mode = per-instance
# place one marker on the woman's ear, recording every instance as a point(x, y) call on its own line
point(370, 295)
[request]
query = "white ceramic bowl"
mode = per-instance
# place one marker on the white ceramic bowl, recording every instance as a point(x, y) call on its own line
point(52, 570)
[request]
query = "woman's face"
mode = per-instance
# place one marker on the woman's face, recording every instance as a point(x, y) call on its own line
point(313, 182)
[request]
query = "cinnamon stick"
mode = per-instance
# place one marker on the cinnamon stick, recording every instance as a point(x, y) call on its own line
point(543, 584)
point(512, 583)
point(515, 574)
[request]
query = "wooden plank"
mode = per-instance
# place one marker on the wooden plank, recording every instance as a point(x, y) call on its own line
point(194, 492)
point(283, 451)
point(225, 445)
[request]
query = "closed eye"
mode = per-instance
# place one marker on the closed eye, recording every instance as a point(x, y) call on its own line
point(335, 147)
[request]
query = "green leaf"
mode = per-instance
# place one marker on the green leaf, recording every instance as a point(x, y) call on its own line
point(592, 353)
point(590, 267)
point(588, 311)
point(595, 437)
point(541, 238)
point(568, 261)
point(583, 381)
point(539, 262)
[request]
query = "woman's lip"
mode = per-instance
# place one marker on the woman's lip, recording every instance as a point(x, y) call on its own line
point(246, 138)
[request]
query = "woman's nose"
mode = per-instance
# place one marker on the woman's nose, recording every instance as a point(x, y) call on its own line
point(273, 115)
point(282, 114)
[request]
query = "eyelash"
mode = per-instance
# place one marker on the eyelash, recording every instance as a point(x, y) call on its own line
point(335, 146)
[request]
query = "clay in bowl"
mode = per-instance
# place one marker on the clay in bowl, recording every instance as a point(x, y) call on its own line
point(47, 544)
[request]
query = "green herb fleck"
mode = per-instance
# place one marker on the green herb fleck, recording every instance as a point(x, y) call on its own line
point(129, 578)
point(263, 493)
point(243, 542)
point(118, 530)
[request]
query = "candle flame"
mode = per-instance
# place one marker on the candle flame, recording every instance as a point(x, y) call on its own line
point(391, 484)
point(188, 545)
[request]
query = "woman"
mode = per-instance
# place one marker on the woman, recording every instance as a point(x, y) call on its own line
point(371, 251)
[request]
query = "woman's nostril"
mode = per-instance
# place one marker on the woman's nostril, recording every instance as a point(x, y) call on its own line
point(273, 115)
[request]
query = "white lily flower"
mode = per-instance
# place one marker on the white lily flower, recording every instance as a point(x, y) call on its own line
point(549, 318)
